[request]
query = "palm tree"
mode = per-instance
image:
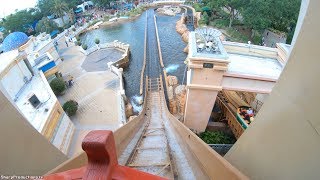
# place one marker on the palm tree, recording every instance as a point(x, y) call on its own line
point(59, 8)
point(71, 15)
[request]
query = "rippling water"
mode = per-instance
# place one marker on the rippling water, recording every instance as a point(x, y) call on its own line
point(133, 33)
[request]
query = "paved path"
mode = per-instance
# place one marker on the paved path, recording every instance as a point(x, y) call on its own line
point(96, 92)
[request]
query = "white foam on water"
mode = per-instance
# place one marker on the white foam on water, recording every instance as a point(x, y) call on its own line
point(171, 68)
point(137, 98)
point(135, 103)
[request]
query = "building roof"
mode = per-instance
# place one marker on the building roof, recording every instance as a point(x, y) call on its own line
point(14, 40)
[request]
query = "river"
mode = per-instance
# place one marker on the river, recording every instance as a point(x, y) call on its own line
point(133, 33)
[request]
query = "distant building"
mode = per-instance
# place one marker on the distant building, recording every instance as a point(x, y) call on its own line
point(24, 66)
point(270, 38)
point(85, 6)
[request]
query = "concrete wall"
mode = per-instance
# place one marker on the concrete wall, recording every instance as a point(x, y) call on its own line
point(13, 81)
point(24, 151)
point(283, 142)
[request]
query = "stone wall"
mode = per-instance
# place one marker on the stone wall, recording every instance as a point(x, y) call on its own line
point(125, 48)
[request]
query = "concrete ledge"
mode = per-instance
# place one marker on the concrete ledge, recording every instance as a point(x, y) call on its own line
point(205, 87)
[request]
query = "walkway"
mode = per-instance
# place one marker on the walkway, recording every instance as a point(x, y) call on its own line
point(91, 90)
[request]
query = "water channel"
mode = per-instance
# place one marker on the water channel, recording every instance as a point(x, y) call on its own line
point(133, 33)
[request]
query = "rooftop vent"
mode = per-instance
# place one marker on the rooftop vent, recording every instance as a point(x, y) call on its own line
point(33, 99)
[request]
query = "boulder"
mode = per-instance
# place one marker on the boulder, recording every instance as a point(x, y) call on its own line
point(186, 49)
point(180, 92)
point(180, 89)
point(132, 117)
point(173, 106)
point(172, 80)
point(170, 92)
point(129, 110)
point(140, 102)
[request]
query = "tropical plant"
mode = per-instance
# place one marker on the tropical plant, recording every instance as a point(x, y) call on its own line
point(58, 86)
point(97, 41)
point(204, 18)
point(70, 107)
point(59, 8)
point(46, 25)
point(84, 46)
point(21, 20)
point(217, 137)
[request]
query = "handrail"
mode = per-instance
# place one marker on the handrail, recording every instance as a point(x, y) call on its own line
point(234, 125)
point(144, 55)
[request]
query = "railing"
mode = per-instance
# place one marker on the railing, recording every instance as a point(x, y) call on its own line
point(234, 125)
point(250, 49)
point(115, 44)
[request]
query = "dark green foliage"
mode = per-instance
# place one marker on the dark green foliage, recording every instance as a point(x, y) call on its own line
point(102, 3)
point(78, 38)
point(217, 137)
point(84, 46)
point(79, 43)
point(46, 25)
point(21, 20)
point(70, 107)
point(197, 7)
point(204, 19)
point(97, 41)
point(58, 86)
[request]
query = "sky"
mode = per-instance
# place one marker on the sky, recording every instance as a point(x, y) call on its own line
point(9, 6)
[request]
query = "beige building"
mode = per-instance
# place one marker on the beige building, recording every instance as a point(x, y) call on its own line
point(25, 92)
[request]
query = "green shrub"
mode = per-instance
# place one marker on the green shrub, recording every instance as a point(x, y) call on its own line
point(204, 18)
point(197, 7)
point(78, 38)
point(73, 29)
point(79, 43)
point(106, 18)
point(84, 46)
point(70, 107)
point(217, 137)
point(97, 41)
point(58, 86)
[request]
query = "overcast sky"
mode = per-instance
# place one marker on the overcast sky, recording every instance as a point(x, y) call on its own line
point(9, 6)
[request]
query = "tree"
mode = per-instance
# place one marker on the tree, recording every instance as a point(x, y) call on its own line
point(46, 25)
point(58, 86)
point(45, 6)
point(284, 13)
point(21, 20)
point(256, 14)
point(232, 7)
point(103, 3)
point(205, 18)
point(59, 8)
point(70, 107)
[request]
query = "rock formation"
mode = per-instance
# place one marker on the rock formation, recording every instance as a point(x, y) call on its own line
point(180, 92)
point(129, 110)
point(172, 80)
point(182, 29)
point(186, 49)
point(132, 117)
